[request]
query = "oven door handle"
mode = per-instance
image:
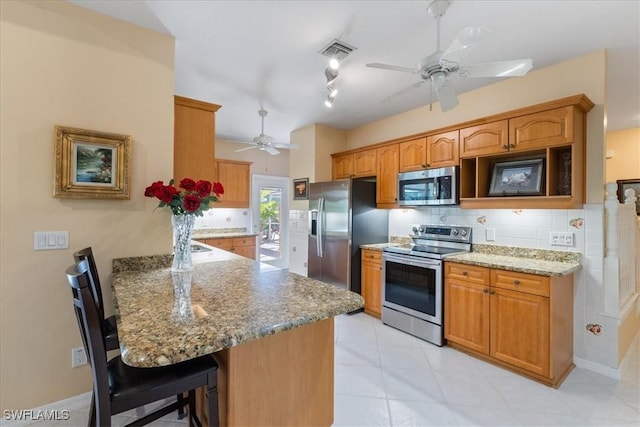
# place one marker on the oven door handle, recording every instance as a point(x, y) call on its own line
point(412, 260)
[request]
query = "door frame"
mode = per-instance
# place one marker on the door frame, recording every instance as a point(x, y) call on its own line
point(258, 181)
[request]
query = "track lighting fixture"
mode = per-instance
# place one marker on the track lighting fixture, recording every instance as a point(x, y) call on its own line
point(331, 75)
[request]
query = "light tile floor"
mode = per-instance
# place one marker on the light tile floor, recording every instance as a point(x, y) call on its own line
point(384, 377)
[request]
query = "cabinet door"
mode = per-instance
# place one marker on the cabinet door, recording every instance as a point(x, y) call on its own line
point(520, 330)
point(234, 176)
point(466, 314)
point(413, 155)
point(489, 138)
point(245, 251)
point(387, 176)
point(364, 163)
point(540, 130)
point(193, 139)
point(222, 243)
point(342, 166)
point(372, 282)
point(442, 150)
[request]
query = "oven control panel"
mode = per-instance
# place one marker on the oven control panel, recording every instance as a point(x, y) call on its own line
point(442, 232)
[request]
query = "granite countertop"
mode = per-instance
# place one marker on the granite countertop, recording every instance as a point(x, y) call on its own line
point(165, 318)
point(523, 260)
point(221, 233)
point(378, 246)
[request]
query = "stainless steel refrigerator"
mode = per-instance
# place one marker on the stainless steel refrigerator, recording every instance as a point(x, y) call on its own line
point(343, 216)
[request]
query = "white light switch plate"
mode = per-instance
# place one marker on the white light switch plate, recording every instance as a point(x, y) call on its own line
point(48, 240)
point(490, 234)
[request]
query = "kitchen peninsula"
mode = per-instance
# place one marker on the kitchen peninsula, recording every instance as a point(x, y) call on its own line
point(271, 331)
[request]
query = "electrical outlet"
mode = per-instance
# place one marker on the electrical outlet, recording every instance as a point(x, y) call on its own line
point(78, 357)
point(490, 234)
point(558, 238)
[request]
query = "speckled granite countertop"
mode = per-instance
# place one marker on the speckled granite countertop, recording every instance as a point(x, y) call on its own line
point(220, 233)
point(534, 261)
point(166, 317)
point(378, 246)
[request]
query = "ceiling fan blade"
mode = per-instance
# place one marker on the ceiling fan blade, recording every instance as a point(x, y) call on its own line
point(393, 68)
point(285, 146)
point(446, 95)
point(515, 67)
point(271, 150)
point(462, 45)
point(404, 90)
point(247, 148)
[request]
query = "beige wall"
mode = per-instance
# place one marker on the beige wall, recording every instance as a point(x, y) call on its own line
point(62, 64)
point(585, 74)
point(328, 140)
point(625, 163)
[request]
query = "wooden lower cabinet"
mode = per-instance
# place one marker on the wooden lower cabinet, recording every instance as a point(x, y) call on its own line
point(520, 321)
point(284, 379)
point(372, 281)
point(243, 246)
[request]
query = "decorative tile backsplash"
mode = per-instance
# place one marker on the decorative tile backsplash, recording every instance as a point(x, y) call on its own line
point(224, 218)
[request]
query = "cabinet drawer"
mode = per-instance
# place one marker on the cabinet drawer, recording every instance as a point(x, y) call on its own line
point(244, 241)
point(522, 282)
point(220, 243)
point(371, 256)
point(469, 273)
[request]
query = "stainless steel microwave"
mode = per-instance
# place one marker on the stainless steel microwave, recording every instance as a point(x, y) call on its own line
point(429, 187)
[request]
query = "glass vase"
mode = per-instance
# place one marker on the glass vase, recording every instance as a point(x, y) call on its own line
point(182, 310)
point(182, 228)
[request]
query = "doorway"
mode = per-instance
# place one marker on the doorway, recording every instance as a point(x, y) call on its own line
point(270, 218)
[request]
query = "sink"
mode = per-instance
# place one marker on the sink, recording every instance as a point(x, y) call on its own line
point(199, 248)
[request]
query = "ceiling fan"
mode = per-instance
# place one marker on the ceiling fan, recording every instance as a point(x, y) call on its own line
point(265, 142)
point(435, 68)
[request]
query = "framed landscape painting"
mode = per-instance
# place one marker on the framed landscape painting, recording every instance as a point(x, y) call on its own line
point(91, 164)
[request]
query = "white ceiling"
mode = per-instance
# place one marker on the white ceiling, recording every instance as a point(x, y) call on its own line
point(247, 55)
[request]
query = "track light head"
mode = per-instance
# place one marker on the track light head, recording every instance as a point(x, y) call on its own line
point(331, 75)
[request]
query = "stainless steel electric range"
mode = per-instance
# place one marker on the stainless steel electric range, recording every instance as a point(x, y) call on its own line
point(413, 291)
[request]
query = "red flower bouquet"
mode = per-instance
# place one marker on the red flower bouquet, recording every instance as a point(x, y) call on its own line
point(193, 197)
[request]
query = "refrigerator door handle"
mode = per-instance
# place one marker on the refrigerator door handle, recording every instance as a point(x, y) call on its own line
point(320, 229)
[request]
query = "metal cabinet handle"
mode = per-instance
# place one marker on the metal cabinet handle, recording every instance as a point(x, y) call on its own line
point(492, 292)
point(516, 282)
point(505, 146)
point(512, 145)
point(464, 273)
point(484, 291)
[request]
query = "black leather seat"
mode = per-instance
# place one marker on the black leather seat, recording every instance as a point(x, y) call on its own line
point(118, 387)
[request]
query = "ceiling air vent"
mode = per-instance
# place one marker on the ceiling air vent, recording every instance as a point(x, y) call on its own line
point(337, 49)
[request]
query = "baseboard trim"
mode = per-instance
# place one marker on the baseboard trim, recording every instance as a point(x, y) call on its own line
point(72, 403)
point(597, 367)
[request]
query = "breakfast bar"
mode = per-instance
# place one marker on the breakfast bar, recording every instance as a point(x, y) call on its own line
point(270, 330)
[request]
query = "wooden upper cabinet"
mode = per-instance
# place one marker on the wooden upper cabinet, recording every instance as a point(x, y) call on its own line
point(342, 166)
point(365, 162)
point(484, 139)
point(442, 150)
point(413, 155)
point(235, 177)
point(387, 176)
point(194, 139)
point(544, 129)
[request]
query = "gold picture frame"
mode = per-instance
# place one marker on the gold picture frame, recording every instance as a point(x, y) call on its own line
point(91, 164)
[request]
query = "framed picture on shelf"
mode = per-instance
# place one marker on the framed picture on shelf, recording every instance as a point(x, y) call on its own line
point(301, 189)
point(517, 178)
point(624, 184)
point(91, 164)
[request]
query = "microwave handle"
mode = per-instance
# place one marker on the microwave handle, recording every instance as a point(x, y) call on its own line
point(436, 188)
